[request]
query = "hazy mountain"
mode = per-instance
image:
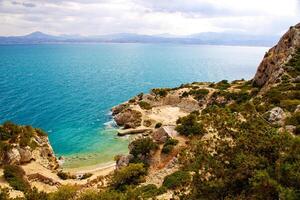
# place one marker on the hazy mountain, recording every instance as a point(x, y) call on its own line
point(201, 38)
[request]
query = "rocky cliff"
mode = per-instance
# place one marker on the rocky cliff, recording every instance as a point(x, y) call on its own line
point(274, 61)
point(24, 144)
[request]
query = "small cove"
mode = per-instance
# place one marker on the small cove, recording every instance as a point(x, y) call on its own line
point(68, 89)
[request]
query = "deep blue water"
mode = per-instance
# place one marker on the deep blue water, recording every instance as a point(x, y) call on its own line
point(69, 89)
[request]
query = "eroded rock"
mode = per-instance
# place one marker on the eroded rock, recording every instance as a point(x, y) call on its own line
point(275, 116)
point(271, 67)
point(129, 118)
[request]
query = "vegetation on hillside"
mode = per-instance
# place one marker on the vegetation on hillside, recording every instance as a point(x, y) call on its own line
point(11, 133)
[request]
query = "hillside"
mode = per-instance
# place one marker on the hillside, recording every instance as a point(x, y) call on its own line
point(224, 140)
point(210, 38)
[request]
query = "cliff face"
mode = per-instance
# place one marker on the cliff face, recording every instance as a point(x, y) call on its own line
point(271, 67)
point(24, 144)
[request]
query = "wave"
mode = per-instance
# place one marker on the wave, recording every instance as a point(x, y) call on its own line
point(111, 124)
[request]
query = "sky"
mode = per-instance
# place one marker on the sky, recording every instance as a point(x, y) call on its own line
point(176, 17)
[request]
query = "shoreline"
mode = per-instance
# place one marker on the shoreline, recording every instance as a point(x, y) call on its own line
point(92, 168)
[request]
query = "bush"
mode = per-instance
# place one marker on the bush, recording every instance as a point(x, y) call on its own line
point(222, 85)
point(66, 192)
point(130, 175)
point(160, 91)
point(177, 179)
point(145, 105)
point(158, 125)
point(294, 119)
point(167, 149)
point(9, 130)
point(171, 141)
point(185, 94)
point(65, 175)
point(169, 145)
point(290, 105)
point(149, 191)
point(189, 125)
point(86, 175)
point(142, 146)
point(4, 193)
point(140, 96)
point(102, 195)
point(199, 93)
point(14, 175)
point(34, 194)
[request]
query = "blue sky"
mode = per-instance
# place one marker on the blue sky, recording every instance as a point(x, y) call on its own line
point(179, 17)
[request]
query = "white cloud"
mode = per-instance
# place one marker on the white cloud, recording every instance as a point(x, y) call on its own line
point(92, 17)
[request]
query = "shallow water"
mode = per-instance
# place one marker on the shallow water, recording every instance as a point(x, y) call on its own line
point(69, 89)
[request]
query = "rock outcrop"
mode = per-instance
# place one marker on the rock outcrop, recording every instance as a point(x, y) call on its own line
point(271, 67)
point(276, 116)
point(129, 118)
point(25, 144)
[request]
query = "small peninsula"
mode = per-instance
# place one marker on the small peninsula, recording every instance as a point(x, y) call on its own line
point(201, 140)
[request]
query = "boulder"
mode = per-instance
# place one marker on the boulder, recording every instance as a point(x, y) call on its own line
point(297, 109)
point(275, 116)
point(13, 156)
point(290, 128)
point(119, 108)
point(296, 80)
point(123, 160)
point(26, 155)
point(129, 118)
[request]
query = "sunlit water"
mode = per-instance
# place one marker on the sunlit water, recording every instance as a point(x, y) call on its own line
point(68, 90)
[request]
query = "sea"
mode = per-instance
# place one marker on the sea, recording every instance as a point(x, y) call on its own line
point(69, 89)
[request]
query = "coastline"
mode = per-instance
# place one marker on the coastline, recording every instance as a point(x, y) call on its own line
point(108, 166)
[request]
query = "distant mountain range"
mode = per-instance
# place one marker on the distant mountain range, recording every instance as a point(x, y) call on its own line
point(211, 38)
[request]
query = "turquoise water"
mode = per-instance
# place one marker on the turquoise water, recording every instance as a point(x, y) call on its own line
point(69, 89)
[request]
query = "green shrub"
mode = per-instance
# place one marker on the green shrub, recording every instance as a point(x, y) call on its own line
point(222, 85)
point(171, 141)
point(4, 193)
point(160, 91)
point(149, 191)
point(145, 105)
point(86, 175)
point(169, 145)
point(40, 132)
point(274, 96)
point(130, 175)
point(294, 63)
point(66, 192)
point(142, 146)
point(9, 130)
point(140, 96)
point(189, 125)
point(294, 119)
point(199, 94)
point(34, 194)
point(107, 194)
point(177, 179)
point(158, 125)
point(184, 94)
point(167, 149)
point(14, 175)
point(65, 175)
point(290, 104)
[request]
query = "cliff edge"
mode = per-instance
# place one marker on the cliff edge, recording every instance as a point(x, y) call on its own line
point(274, 61)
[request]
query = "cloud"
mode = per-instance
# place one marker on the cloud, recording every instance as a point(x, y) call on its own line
point(94, 17)
point(25, 4)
